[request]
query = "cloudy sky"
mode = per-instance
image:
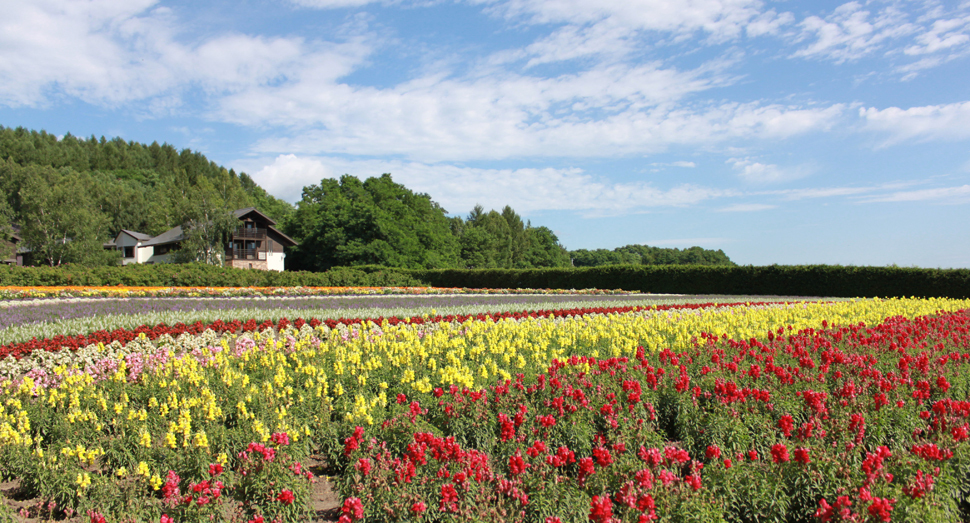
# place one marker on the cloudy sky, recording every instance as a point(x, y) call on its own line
point(789, 132)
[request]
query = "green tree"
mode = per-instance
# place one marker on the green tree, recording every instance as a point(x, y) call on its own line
point(545, 249)
point(60, 221)
point(206, 225)
point(378, 221)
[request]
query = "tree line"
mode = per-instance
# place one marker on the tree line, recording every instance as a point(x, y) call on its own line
point(70, 195)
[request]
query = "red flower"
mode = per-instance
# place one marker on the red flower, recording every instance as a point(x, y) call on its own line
point(363, 466)
point(286, 497)
point(419, 507)
point(779, 453)
point(517, 465)
point(601, 509)
point(713, 452)
point(801, 456)
point(215, 469)
point(353, 508)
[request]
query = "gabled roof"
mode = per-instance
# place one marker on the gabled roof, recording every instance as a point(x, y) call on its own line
point(136, 235)
point(293, 242)
point(240, 213)
point(175, 234)
point(170, 236)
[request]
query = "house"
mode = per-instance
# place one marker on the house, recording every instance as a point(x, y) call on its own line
point(255, 244)
point(132, 246)
point(16, 242)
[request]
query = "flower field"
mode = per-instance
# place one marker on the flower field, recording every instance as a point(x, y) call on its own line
point(821, 411)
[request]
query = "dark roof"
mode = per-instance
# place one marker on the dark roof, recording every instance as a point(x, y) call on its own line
point(293, 242)
point(175, 234)
point(136, 235)
point(239, 213)
point(170, 236)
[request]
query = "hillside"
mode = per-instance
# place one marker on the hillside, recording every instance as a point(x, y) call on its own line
point(90, 189)
point(70, 195)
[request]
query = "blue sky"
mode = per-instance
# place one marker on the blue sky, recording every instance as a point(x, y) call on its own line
point(784, 132)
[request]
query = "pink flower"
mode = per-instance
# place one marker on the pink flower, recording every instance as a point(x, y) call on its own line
point(281, 438)
point(166, 519)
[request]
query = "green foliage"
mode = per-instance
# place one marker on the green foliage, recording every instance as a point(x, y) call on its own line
point(147, 189)
point(60, 220)
point(502, 240)
point(201, 275)
point(378, 221)
point(777, 280)
point(647, 255)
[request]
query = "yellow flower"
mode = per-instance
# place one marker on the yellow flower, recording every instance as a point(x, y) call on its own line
point(156, 482)
point(142, 469)
point(122, 472)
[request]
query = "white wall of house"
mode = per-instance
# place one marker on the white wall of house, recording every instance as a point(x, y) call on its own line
point(141, 253)
point(274, 261)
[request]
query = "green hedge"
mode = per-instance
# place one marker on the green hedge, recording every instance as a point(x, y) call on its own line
point(199, 275)
point(777, 280)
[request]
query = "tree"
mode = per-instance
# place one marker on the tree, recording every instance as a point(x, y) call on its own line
point(544, 249)
point(206, 225)
point(60, 221)
point(377, 221)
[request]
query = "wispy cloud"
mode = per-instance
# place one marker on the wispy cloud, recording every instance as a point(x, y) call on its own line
point(753, 171)
point(459, 189)
point(946, 195)
point(931, 122)
point(747, 207)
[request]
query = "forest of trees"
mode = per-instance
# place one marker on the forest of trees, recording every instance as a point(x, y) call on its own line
point(70, 195)
point(646, 255)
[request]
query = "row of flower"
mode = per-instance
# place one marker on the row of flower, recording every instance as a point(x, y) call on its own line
point(222, 422)
point(838, 424)
point(13, 292)
point(123, 336)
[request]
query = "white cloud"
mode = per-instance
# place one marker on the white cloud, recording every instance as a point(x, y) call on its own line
point(950, 195)
point(458, 188)
point(931, 122)
point(850, 33)
point(723, 19)
point(820, 192)
point(757, 172)
point(747, 207)
point(118, 51)
point(592, 114)
point(943, 35)
point(332, 4)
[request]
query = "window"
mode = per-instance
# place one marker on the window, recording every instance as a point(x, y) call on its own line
point(130, 252)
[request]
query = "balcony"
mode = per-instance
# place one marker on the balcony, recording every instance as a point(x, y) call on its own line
point(245, 254)
point(243, 232)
